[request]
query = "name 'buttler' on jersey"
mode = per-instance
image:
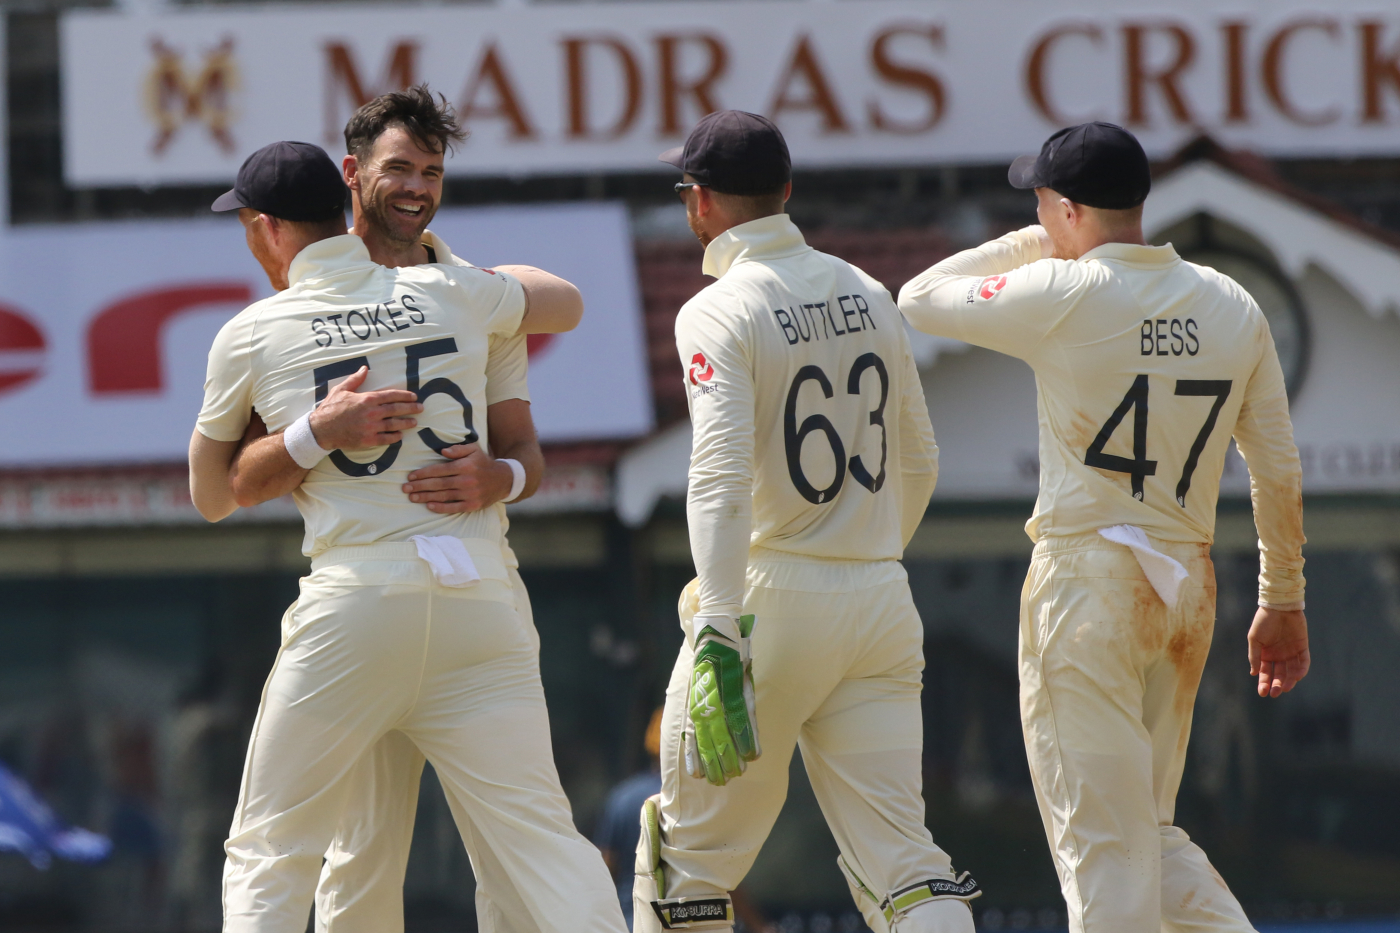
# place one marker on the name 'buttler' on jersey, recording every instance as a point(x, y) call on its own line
point(1145, 365)
point(429, 328)
point(811, 435)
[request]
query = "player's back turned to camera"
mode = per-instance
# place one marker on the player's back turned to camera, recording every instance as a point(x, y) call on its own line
point(811, 466)
point(408, 621)
point(1146, 366)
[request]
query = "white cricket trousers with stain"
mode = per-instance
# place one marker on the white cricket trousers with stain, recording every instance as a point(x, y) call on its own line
point(838, 665)
point(361, 885)
point(1108, 684)
point(373, 645)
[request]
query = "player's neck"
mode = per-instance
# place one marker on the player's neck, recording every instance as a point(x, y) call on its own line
point(1091, 240)
point(391, 253)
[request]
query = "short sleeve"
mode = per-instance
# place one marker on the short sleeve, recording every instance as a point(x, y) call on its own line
point(509, 308)
point(228, 383)
point(499, 297)
point(507, 369)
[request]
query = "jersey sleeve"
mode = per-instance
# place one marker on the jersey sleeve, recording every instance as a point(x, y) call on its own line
point(228, 383)
point(719, 501)
point(918, 453)
point(507, 369)
point(1264, 435)
point(502, 295)
point(998, 295)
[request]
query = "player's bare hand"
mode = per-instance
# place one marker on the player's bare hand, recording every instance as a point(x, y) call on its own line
point(1278, 650)
point(467, 481)
point(352, 420)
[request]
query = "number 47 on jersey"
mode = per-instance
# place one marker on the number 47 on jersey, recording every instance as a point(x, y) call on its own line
point(1139, 466)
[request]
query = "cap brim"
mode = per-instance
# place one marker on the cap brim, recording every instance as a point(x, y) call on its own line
point(1022, 173)
point(228, 201)
point(674, 156)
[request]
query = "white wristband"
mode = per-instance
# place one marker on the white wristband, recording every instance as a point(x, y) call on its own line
point(301, 443)
point(517, 484)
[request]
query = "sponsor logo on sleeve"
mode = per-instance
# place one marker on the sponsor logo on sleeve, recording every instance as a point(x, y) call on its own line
point(701, 372)
point(991, 286)
point(700, 369)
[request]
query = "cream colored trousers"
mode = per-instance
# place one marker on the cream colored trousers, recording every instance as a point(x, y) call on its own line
point(361, 885)
point(838, 662)
point(1108, 683)
point(372, 646)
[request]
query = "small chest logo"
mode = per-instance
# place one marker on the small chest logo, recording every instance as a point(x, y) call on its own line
point(990, 286)
point(700, 369)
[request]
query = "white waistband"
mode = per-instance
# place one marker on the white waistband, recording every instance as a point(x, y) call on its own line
point(486, 555)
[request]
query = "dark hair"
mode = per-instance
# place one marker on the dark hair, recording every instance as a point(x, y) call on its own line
point(432, 123)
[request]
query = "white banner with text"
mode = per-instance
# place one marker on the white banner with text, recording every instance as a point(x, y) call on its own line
point(105, 328)
point(183, 95)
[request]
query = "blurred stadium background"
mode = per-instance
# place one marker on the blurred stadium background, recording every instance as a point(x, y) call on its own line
point(134, 638)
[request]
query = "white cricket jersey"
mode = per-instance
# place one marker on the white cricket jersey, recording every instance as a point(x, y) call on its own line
point(425, 328)
point(1145, 366)
point(508, 357)
point(811, 435)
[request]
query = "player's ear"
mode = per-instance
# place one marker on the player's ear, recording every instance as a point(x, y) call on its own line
point(350, 168)
point(1071, 216)
point(272, 227)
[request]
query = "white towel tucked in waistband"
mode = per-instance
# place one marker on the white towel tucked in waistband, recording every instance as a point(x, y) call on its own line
point(1164, 573)
point(448, 557)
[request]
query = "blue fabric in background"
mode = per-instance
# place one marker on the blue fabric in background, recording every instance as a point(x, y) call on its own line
point(620, 827)
point(30, 827)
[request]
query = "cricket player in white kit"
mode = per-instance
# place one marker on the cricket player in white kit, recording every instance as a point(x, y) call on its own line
point(812, 465)
point(1146, 366)
point(396, 188)
point(396, 145)
point(407, 621)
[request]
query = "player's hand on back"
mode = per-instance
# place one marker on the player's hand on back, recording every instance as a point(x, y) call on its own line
point(348, 419)
point(1278, 650)
point(469, 480)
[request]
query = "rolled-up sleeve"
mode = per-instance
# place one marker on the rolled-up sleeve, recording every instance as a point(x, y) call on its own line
point(228, 382)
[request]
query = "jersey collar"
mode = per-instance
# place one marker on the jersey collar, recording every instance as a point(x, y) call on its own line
point(1129, 252)
point(444, 255)
point(774, 237)
point(328, 256)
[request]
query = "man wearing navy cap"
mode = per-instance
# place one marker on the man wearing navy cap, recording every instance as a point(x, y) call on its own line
point(811, 466)
point(409, 620)
point(396, 147)
point(1145, 366)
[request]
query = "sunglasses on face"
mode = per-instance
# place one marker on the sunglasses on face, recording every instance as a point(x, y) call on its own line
point(682, 186)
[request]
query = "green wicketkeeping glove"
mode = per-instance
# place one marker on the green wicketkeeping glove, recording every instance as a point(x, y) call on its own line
point(723, 733)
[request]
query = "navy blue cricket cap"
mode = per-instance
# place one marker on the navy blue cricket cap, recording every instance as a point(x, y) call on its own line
point(1098, 164)
point(734, 152)
point(288, 180)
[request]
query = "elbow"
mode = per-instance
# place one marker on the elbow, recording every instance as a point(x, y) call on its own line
point(244, 496)
point(213, 511)
point(564, 308)
point(572, 312)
